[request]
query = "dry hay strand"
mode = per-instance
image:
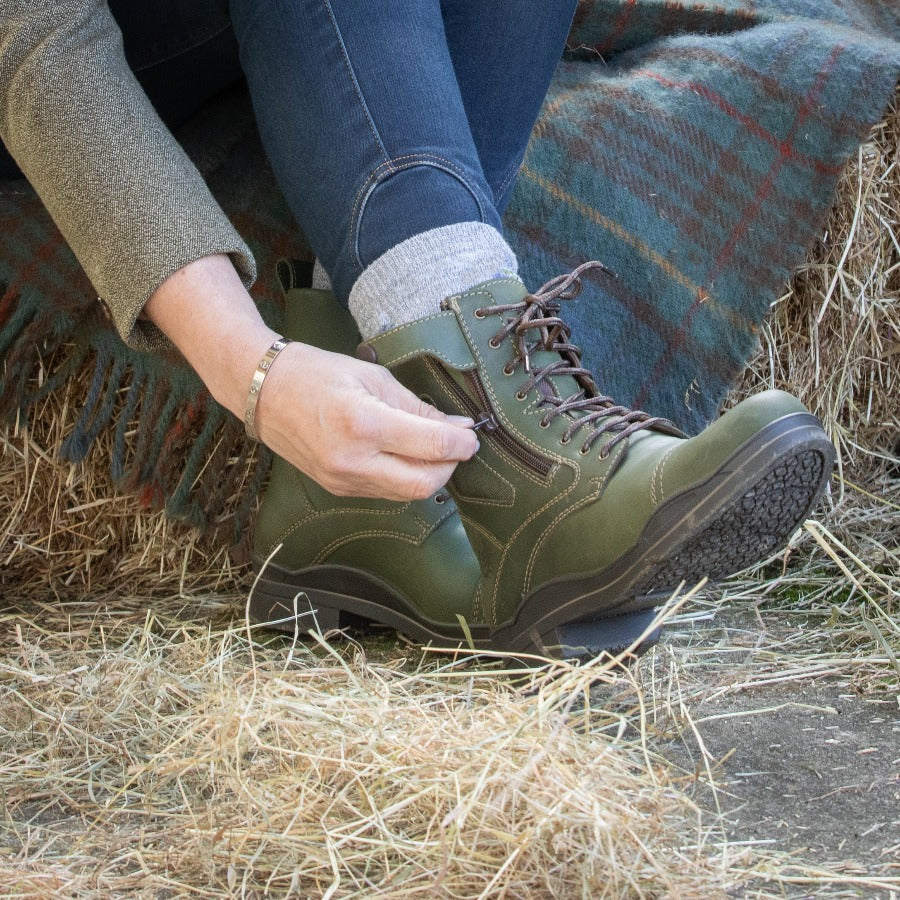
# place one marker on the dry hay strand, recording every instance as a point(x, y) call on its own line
point(146, 755)
point(154, 757)
point(67, 531)
point(833, 338)
point(834, 341)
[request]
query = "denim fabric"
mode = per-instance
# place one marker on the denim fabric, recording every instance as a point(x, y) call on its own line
point(382, 121)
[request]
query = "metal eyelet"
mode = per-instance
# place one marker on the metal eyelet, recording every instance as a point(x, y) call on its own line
point(521, 396)
point(493, 343)
point(604, 453)
point(543, 424)
point(584, 450)
point(565, 440)
point(479, 313)
point(509, 369)
point(441, 498)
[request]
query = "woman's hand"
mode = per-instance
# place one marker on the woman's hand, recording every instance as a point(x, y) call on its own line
point(353, 428)
point(349, 425)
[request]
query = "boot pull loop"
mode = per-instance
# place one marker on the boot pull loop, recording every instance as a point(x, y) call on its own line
point(294, 274)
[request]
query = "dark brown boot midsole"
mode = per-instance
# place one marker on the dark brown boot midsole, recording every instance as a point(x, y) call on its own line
point(323, 598)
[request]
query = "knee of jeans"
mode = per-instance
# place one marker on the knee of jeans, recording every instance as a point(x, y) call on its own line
point(415, 197)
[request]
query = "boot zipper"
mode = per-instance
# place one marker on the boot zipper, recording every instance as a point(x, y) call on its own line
point(489, 424)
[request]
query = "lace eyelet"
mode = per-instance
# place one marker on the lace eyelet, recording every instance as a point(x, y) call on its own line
point(508, 369)
point(543, 424)
point(520, 395)
point(604, 453)
point(479, 313)
point(441, 498)
point(493, 343)
point(584, 450)
point(565, 440)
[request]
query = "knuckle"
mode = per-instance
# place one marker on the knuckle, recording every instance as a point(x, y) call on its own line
point(340, 465)
point(363, 425)
point(430, 480)
point(427, 410)
point(422, 489)
point(440, 443)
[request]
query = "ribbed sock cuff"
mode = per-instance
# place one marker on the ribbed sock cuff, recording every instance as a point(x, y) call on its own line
point(410, 280)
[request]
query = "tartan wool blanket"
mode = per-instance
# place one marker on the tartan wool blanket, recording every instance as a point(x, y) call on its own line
point(692, 147)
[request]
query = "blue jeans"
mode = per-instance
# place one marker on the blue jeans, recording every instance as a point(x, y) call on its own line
point(383, 120)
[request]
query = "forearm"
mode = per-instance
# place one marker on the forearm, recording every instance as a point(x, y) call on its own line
point(347, 424)
point(205, 310)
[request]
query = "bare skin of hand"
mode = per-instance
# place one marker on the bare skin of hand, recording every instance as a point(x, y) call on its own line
point(348, 424)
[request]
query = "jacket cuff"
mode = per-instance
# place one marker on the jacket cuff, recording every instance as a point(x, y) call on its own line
point(126, 312)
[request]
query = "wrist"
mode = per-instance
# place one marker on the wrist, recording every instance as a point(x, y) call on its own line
point(205, 310)
point(256, 385)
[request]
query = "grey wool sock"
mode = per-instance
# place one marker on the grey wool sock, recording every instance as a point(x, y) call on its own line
point(410, 280)
point(320, 279)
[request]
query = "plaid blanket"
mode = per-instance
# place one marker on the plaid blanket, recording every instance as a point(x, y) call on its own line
point(692, 147)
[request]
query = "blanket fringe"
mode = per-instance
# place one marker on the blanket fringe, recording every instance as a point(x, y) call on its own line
point(171, 443)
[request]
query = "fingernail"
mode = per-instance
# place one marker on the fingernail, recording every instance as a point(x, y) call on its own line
point(462, 421)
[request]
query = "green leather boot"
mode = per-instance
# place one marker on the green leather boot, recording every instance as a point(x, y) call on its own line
point(346, 561)
point(584, 514)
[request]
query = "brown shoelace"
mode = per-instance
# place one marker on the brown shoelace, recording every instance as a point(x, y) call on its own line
point(535, 325)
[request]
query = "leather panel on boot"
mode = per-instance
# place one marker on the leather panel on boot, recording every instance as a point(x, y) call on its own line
point(417, 552)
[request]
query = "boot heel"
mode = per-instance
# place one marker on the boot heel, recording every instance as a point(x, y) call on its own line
point(613, 635)
point(284, 608)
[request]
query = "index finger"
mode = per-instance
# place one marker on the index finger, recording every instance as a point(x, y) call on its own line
point(430, 439)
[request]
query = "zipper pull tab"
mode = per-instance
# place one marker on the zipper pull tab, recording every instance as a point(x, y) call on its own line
point(487, 422)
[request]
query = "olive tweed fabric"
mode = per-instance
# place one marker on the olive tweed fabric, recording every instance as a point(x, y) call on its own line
point(120, 188)
point(692, 147)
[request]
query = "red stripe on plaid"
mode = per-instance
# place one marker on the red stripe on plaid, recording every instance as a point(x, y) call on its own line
point(783, 147)
point(646, 313)
point(841, 126)
point(26, 274)
point(655, 181)
point(750, 213)
point(618, 29)
point(785, 152)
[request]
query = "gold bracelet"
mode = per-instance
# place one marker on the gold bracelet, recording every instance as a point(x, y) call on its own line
point(259, 376)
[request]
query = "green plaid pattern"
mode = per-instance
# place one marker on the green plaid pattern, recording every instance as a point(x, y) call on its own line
point(698, 166)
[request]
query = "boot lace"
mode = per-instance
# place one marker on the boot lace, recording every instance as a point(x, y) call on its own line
point(534, 324)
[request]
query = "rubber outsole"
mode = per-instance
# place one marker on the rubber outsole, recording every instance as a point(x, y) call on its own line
point(713, 529)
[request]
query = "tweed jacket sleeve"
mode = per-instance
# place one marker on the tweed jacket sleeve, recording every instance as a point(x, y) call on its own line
point(125, 196)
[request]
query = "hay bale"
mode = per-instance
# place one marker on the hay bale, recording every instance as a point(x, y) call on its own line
point(833, 340)
point(67, 531)
point(323, 775)
point(169, 750)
